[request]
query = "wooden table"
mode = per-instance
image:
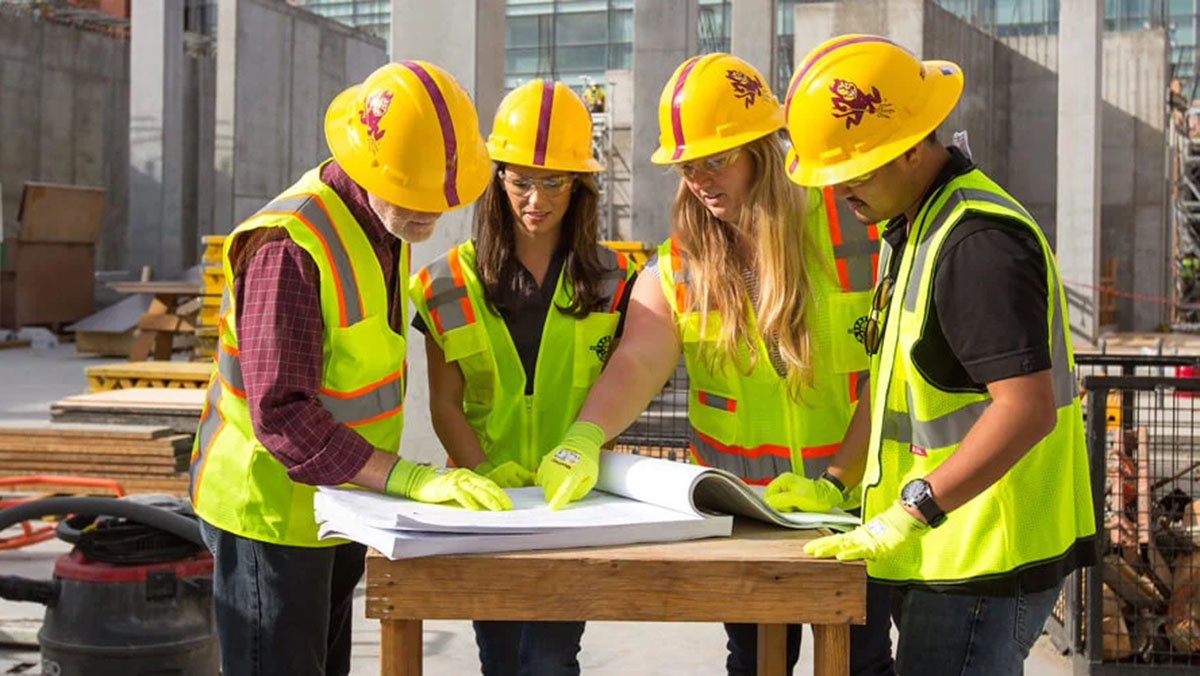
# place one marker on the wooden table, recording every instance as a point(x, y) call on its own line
point(759, 575)
point(158, 326)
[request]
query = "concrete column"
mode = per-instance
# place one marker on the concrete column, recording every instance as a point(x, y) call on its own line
point(1077, 214)
point(752, 34)
point(664, 36)
point(813, 24)
point(466, 37)
point(156, 137)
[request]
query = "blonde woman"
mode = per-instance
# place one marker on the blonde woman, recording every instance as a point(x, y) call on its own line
point(761, 294)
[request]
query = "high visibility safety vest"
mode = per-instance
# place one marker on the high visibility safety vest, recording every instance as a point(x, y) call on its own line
point(510, 424)
point(236, 484)
point(748, 423)
point(1037, 520)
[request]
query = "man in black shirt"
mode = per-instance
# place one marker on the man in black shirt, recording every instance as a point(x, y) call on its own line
point(969, 453)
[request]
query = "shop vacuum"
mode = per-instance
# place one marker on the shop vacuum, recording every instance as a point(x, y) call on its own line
point(133, 597)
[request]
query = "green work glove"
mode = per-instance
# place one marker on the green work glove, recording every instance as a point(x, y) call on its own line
point(569, 471)
point(507, 475)
point(429, 484)
point(873, 540)
point(790, 492)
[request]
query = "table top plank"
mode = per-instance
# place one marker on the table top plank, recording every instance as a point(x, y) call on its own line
point(162, 288)
point(758, 575)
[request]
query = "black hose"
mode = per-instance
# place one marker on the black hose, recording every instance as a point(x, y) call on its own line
point(164, 520)
point(16, 588)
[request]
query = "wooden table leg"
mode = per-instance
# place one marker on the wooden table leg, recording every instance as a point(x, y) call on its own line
point(772, 649)
point(400, 647)
point(140, 350)
point(831, 649)
point(164, 340)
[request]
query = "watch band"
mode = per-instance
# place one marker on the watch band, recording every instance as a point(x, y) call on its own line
point(836, 483)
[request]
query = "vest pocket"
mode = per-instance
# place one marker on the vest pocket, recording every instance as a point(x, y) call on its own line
point(468, 346)
point(848, 323)
point(713, 412)
point(593, 346)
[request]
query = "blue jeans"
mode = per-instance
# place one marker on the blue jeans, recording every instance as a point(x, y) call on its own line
point(280, 609)
point(528, 648)
point(870, 643)
point(961, 635)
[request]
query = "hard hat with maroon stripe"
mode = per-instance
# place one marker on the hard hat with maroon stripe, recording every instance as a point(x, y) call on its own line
point(713, 103)
point(857, 102)
point(543, 124)
point(409, 134)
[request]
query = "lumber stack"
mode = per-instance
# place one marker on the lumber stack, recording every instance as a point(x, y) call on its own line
point(142, 459)
point(178, 409)
point(209, 318)
point(165, 374)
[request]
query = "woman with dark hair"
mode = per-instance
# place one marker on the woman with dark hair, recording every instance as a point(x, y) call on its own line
point(518, 322)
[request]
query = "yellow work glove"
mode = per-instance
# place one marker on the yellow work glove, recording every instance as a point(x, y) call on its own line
point(570, 471)
point(873, 540)
point(506, 475)
point(790, 492)
point(429, 484)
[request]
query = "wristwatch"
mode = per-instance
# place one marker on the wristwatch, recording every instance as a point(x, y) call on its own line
point(918, 494)
point(836, 483)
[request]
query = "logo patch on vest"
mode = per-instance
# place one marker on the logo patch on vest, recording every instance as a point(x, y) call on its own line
point(917, 450)
point(859, 330)
point(601, 348)
point(851, 103)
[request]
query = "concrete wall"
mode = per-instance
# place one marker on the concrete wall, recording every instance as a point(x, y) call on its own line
point(278, 67)
point(64, 118)
point(1010, 107)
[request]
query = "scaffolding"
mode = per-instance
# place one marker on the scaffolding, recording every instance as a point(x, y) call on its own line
point(1185, 147)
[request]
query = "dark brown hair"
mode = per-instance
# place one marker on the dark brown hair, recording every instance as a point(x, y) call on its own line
point(496, 248)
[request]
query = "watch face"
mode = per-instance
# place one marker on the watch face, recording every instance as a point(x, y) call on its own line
point(914, 491)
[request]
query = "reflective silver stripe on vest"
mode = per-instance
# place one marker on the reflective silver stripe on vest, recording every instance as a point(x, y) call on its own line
point(951, 428)
point(856, 248)
point(204, 435)
point(225, 302)
point(814, 466)
point(885, 261)
point(365, 406)
point(611, 278)
point(715, 401)
point(310, 209)
point(230, 368)
point(755, 470)
point(446, 296)
point(957, 197)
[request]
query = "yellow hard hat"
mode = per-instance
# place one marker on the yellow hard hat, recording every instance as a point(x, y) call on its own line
point(409, 134)
point(713, 103)
point(858, 102)
point(544, 124)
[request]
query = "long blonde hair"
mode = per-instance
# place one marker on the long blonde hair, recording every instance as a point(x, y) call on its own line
point(773, 228)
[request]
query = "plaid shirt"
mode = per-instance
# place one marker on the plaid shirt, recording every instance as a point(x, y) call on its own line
point(281, 344)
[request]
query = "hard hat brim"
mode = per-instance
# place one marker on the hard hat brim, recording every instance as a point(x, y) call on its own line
point(690, 152)
point(942, 93)
point(520, 157)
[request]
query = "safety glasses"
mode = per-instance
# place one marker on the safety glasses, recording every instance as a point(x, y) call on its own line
point(859, 180)
point(879, 304)
point(709, 165)
point(523, 185)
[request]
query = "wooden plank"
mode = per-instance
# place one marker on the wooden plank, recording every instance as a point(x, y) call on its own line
point(1114, 629)
point(1143, 487)
point(401, 652)
point(831, 652)
point(141, 459)
point(744, 577)
point(130, 485)
point(159, 288)
point(51, 212)
point(772, 650)
point(1130, 585)
point(165, 323)
point(104, 343)
point(157, 370)
point(136, 398)
point(1183, 623)
point(76, 431)
point(92, 468)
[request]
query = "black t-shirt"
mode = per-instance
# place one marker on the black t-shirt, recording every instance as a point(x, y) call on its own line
point(989, 298)
point(526, 323)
